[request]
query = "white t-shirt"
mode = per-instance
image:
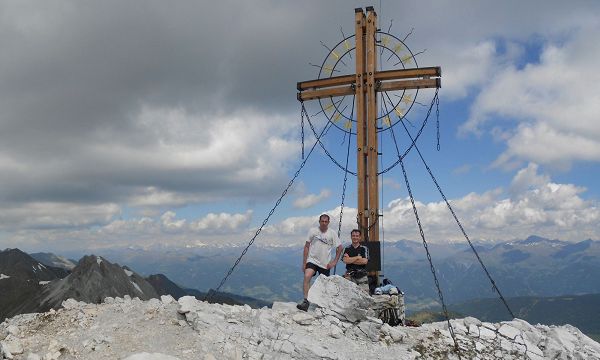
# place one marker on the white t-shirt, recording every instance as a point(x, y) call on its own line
point(321, 244)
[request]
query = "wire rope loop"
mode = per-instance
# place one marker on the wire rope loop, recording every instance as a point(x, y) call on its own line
point(437, 116)
point(432, 268)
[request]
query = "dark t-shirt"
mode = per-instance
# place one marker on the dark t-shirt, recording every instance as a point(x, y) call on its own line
point(360, 250)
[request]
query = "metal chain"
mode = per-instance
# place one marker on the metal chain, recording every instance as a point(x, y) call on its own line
point(416, 137)
point(437, 118)
point(210, 295)
point(302, 131)
point(412, 201)
point(343, 198)
point(435, 279)
point(324, 148)
point(397, 161)
point(462, 229)
point(345, 180)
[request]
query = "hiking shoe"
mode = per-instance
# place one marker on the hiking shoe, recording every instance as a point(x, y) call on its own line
point(303, 305)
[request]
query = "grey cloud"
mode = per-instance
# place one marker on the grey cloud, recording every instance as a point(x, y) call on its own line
point(76, 78)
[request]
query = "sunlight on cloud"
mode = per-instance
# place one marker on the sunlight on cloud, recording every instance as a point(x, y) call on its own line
point(533, 205)
point(311, 199)
point(555, 104)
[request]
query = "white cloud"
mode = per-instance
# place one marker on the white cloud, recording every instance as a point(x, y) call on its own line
point(534, 204)
point(527, 179)
point(470, 67)
point(555, 103)
point(311, 199)
point(222, 223)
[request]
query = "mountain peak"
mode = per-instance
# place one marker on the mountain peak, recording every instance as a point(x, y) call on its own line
point(534, 240)
point(94, 279)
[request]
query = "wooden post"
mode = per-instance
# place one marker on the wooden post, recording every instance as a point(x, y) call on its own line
point(361, 124)
point(373, 158)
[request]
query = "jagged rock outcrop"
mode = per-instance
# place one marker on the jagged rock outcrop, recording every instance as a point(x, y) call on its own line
point(125, 328)
point(21, 278)
point(164, 286)
point(95, 279)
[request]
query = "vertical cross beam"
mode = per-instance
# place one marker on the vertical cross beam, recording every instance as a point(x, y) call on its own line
point(361, 123)
point(372, 156)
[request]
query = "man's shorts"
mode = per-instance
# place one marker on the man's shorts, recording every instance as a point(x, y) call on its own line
point(317, 269)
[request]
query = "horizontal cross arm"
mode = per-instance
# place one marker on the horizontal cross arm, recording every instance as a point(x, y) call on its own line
point(426, 72)
point(410, 84)
point(326, 82)
point(435, 71)
point(325, 93)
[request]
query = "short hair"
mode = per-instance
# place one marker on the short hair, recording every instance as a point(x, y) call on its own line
point(324, 216)
point(357, 231)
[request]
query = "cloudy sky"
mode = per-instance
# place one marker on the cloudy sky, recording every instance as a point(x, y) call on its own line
point(145, 122)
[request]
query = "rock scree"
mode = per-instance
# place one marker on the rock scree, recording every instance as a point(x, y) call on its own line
point(165, 329)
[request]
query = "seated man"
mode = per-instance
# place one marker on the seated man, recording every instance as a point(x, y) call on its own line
point(356, 257)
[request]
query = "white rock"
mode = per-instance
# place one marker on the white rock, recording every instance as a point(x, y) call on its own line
point(12, 345)
point(487, 333)
point(70, 303)
point(344, 298)
point(287, 347)
point(13, 330)
point(167, 299)
point(284, 307)
point(152, 356)
point(335, 332)
point(368, 330)
point(32, 356)
point(509, 331)
point(153, 305)
point(52, 355)
point(187, 304)
point(303, 318)
point(468, 321)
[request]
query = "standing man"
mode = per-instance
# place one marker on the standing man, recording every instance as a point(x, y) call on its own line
point(317, 254)
point(356, 257)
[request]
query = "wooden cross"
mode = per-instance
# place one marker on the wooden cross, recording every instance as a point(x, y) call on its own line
point(364, 85)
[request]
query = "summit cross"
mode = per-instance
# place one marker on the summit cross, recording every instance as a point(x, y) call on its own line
point(364, 85)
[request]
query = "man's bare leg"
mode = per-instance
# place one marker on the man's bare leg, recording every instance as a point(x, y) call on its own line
point(308, 274)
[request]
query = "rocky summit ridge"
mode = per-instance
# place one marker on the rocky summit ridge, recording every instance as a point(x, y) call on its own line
point(165, 329)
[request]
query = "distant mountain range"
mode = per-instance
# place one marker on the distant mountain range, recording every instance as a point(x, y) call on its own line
point(31, 285)
point(535, 266)
point(531, 267)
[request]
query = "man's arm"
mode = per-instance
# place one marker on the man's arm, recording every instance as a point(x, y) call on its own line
point(347, 259)
point(338, 252)
point(359, 260)
point(305, 256)
point(362, 259)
